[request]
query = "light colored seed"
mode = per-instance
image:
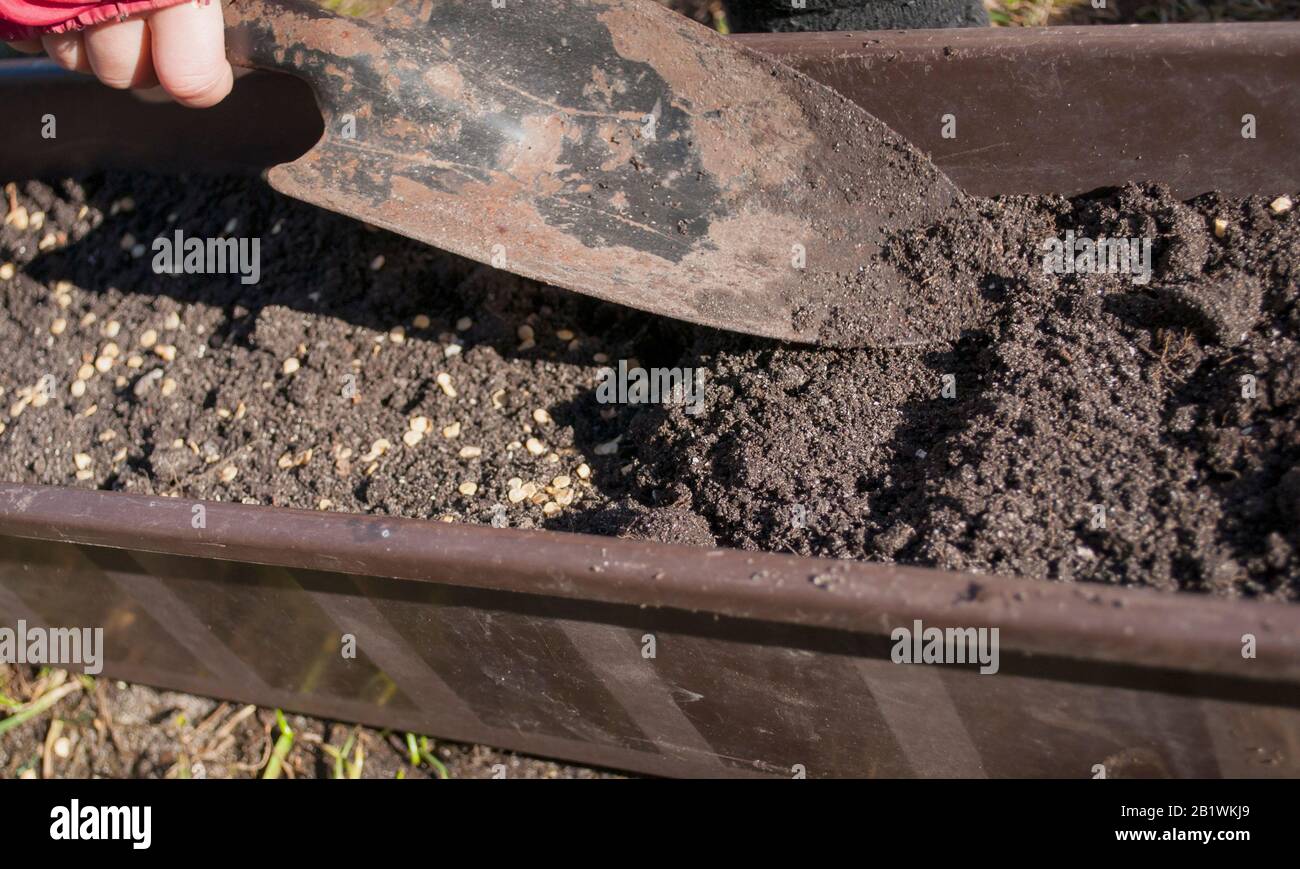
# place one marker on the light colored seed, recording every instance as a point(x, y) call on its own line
point(111, 329)
point(40, 398)
point(291, 365)
point(324, 504)
point(600, 358)
point(38, 219)
point(18, 218)
point(82, 461)
point(88, 320)
point(397, 335)
point(172, 321)
point(1281, 205)
point(516, 495)
point(148, 338)
point(550, 508)
point(90, 411)
point(452, 431)
point(59, 326)
point(526, 333)
point(228, 473)
point(7, 271)
point(119, 456)
point(133, 361)
point(422, 321)
point(78, 388)
point(49, 240)
point(165, 352)
point(444, 382)
point(168, 386)
point(128, 241)
point(561, 482)
point(284, 462)
point(86, 372)
point(111, 350)
point(515, 483)
point(377, 263)
point(534, 446)
point(85, 475)
point(420, 424)
point(608, 448)
point(16, 409)
point(541, 417)
point(107, 435)
point(464, 324)
point(223, 413)
point(63, 299)
point(412, 438)
point(468, 488)
point(452, 350)
point(470, 452)
point(564, 334)
point(103, 364)
point(584, 471)
point(498, 399)
point(565, 497)
point(530, 489)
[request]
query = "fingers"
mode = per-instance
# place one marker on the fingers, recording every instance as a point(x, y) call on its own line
point(119, 53)
point(67, 50)
point(26, 46)
point(189, 53)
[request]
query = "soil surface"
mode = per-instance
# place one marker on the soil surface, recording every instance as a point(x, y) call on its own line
point(1093, 428)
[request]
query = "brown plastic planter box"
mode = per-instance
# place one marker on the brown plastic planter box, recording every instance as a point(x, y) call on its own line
point(762, 664)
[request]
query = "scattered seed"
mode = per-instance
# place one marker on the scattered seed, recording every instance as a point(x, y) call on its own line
point(452, 431)
point(444, 381)
point(412, 438)
point(107, 435)
point(16, 409)
point(561, 482)
point(420, 424)
point(608, 448)
point(584, 471)
point(291, 365)
point(526, 333)
point(497, 399)
point(111, 350)
point(63, 299)
point(397, 335)
point(228, 473)
point(172, 321)
point(88, 320)
point(541, 417)
point(534, 446)
point(168, 386)
point(564, 334)
point(468, 488)
point(148, 338)
point(516, 495)
point(1281, 205)
point(377, 263)
point(59, 326)
point(133, 361)
point(48, 241)
point(86, 372)
point(515, 483)
point(82, 461)
point(377, 449)
point(464, 324)
point(421, 321)
point(470, 452)
point(7, 271)
point(85, 475)
point(1220, 227)
point(78, 388)
point(452, 350)
point(324, 504)
point(128, 241)
point(103, 364)
point(565, 497)
point(165, 352)
point(600, 358)
point(111, 329)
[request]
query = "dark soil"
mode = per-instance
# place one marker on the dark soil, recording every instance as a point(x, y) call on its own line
point(1081, 392)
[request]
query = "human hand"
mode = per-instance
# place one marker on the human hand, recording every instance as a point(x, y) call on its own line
point(180, 47)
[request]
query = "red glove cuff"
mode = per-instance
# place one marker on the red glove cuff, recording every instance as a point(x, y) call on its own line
point(29, 19)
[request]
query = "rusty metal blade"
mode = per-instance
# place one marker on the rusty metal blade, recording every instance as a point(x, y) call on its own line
point(610, 147)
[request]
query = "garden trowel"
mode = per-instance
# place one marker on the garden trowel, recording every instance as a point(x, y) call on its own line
point(611, 147)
